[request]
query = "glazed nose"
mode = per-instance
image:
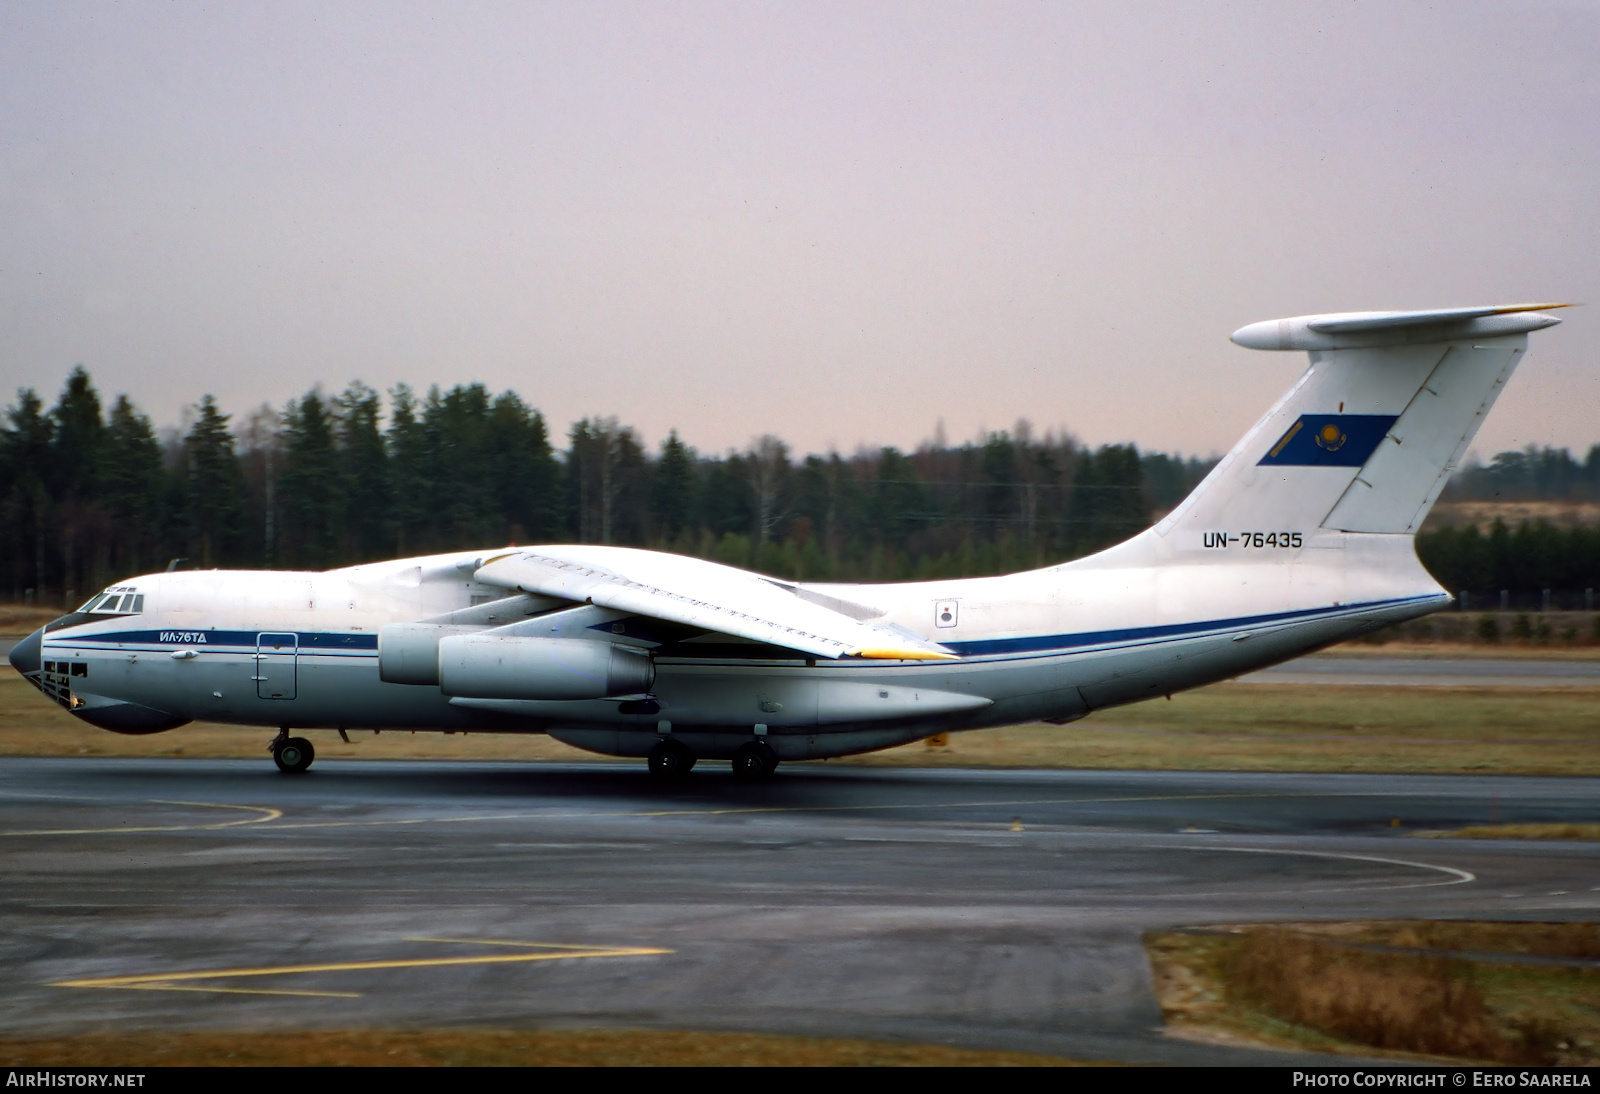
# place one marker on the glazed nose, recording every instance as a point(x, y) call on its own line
point(25, 654)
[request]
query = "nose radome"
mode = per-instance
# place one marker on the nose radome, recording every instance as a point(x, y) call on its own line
point(25, 655)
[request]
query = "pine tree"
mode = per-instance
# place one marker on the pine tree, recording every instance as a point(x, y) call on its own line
point(543, 516)
point(213, 498)
point(311, 488)
point(364, 470)
point(77, 440)
point(462, 472)
point(813, 502)
point(672, 493)
point(527, 478)
point(1000, 474)
point(726, 505)
point(1108, 503)
point(133, 486)
point(899, 500)
point(77, 443)
point(27, 508)
point(410, 484)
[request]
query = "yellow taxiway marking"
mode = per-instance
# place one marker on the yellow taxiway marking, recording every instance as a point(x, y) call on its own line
point(239, 991)
point(267, 814)
point(177, 981)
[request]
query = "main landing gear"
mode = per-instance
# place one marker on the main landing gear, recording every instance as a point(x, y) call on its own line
point(293, 755)
point(754, 761)
point(671, 759)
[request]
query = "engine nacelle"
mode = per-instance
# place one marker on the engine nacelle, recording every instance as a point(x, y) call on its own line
point(408, 653)
point(488, 666)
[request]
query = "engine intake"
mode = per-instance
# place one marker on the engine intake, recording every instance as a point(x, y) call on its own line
point(488, 666)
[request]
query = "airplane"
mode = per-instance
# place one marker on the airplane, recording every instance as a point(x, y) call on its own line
point(1301, 537)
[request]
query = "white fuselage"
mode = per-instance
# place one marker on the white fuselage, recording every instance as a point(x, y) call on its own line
point(1147, 618)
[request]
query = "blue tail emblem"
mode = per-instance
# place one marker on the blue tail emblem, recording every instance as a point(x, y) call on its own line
point(1329, 440)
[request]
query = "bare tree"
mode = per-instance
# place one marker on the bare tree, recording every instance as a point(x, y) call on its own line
point(768, 461)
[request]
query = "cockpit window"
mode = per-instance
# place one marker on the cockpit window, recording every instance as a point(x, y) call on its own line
point(115, 602)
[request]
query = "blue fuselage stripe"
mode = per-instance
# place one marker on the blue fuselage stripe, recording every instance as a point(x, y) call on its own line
point(365, 645)
point(1064, 642)
point(308, 642)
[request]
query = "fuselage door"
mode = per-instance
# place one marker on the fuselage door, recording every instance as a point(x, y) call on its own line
point(276, 665)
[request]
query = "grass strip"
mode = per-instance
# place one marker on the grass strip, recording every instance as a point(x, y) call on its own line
point(1520, 831)
point(492, 1048)
point(1322, 986)
point(1288, 727)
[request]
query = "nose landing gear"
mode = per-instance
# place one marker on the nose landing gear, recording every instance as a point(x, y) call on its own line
point(293, 755)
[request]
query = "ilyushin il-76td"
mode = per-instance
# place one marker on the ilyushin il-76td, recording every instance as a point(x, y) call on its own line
point(1302, 536)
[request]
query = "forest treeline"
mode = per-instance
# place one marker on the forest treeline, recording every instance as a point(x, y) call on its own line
point(89, 493)
point(1525, 559)
point(1530, 474)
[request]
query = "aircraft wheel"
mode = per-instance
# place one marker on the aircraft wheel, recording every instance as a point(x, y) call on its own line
point(294, 755)
point(671, 760)
point(753, 761)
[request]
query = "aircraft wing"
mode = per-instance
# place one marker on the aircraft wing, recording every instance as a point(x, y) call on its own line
point(700, 594)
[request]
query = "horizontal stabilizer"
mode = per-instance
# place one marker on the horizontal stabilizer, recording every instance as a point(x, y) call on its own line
point(1383, 320)
point(1346, 330)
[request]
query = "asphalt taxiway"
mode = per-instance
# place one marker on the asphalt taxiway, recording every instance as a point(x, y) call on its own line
point(988, 909)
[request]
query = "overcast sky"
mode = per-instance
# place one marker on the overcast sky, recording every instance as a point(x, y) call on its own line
point(840, 223)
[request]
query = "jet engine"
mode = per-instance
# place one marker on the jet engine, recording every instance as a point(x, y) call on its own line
point(489, 666)
point(408, 653)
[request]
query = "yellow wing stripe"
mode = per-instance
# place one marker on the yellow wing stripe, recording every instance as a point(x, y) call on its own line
point(903, 655)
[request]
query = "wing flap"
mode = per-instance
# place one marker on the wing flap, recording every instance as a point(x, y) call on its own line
point(699, 594)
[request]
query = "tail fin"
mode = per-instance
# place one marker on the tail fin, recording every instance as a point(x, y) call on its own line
point(1368, 436)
